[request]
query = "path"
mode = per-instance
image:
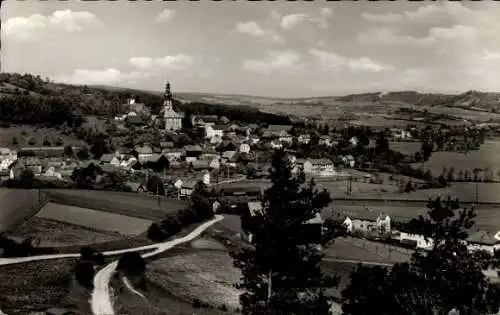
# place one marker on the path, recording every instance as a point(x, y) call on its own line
point(101, 300)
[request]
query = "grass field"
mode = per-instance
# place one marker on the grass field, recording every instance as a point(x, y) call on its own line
point(34, 286)
point(487, 155)
point(57, 234)
point(94, 219)
point(16, 205)
point(25, 133)
point(405, 147)
point(130, 204)
point(192, 275)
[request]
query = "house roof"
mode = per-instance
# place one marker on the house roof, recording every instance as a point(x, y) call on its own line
point(155, 157)
point(482, 237)
point(228, 154)
point(145, 149)
point(193, 148)
point(320, 161)
point(32, 161)
point(219, 127)
point(201, 164)
point(189, 183)
point(107, 157)
point(279, 128)
point(254, 207)
point(166, 144)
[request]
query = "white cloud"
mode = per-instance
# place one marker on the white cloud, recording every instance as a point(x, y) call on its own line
point(164, 16)
point(176, 62)
point(490, 55)
point(290, 21)
point(330, 61)
point(275, 61)
point(253, 28)
point(35, 26)
point(382, 18)
point(96, 77)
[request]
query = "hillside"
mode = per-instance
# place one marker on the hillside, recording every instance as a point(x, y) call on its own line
point(28, 99)
point(53, 101)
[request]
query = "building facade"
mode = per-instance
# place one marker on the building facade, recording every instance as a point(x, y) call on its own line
point(173, 119)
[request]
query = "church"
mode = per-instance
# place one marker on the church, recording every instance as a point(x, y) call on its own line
point(173, 119)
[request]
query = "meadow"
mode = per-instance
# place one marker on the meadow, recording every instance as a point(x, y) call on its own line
point(53, 233)
point(487, 155)
point(16, 205)
point(94, 219)
point(37, 135)
point(405, 147)
point(130, 204)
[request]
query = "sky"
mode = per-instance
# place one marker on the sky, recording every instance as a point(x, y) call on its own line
point(280, 49)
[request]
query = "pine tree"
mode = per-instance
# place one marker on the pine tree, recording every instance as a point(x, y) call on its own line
point(281, 273)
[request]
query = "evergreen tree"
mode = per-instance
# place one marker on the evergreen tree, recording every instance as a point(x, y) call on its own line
point(281, 273)
point(447, 277)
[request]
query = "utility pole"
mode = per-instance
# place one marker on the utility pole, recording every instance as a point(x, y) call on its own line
point(477, 193)
point(269, 285)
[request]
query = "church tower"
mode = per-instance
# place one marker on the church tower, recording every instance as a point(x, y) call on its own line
point(173, 120)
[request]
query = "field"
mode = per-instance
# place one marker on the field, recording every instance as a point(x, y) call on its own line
point(405, 147)
point(131, 204)
point(34, 286)
point(487, 155)
point(98, 220)
point(15, 206)
point(25, 133)
point(58, 234)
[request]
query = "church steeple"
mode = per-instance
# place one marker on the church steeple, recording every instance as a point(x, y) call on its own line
point(168, 94)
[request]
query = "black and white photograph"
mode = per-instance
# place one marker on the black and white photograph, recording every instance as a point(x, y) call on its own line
point(249, 157)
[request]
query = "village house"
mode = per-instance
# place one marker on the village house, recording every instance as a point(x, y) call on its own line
point(204, 120)
point(187, 188)
point(484, 241)
point(166, 145)
point(254, 139)
point(136, 108)
point(173, 154)
point(276, 144)
point(51, 173)
point(244, 148)
point(228, 155)
point(420, 241)
point(206, 164)
point(325, 140)
point(319, 167)
point(214, 133)
point(110, 159)
point(400, 134)
point(348, 160)
point(298, 165)
point(7, 157)
point(304, 139)
point(380, 225)
point(127, 162)
point(143, 152)
point(354, 141)
point(193, 152)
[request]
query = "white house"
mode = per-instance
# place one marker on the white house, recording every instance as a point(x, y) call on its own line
point(319, 167)
point(422, 241)
point(245, 148)
point(304, 138)
point(380, 225)
point(276, 144)
point(349, 160)
point(483, 240)
point(7, 157)
point(187, 187)
point(354, 141)
point(214, 132)
point(206, 178)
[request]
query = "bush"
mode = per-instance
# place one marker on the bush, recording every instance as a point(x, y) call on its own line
point(84, 273)
point(132, 263)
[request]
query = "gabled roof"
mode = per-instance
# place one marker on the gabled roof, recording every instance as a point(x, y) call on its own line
point(107, 157)
point(201, 164)
point(219, 127)
point(145, 149)
point(320, 161)
point(254, 207)
point(193, 148)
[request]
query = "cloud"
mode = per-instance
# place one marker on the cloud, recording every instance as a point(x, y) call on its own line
point(329, 61)
point(176, 62)
point(254, 29)
point(275, 61)
point(382, 18)
point(489, 55)
point(290, 21)
point(164, 16)
point(35, 26)
point(96, 77)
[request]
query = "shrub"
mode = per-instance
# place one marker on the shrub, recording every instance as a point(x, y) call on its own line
point(84, 274)
point(132, 263)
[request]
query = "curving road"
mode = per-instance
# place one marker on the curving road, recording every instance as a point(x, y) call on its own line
point(101, 302)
